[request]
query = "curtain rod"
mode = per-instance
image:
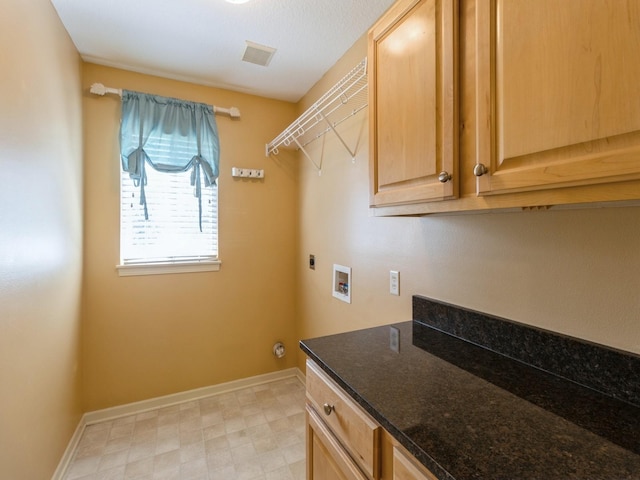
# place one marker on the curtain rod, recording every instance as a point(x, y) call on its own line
point(100, 89)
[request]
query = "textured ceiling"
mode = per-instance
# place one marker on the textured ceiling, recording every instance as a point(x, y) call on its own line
point(203, 41)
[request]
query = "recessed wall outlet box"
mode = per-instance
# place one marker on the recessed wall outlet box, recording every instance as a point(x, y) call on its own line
point(394, 282)
point(341, 285)
point(394, 339)
point(312, 262)
point(246, 173)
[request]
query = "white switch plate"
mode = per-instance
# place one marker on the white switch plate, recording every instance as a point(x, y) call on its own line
point(394, 282)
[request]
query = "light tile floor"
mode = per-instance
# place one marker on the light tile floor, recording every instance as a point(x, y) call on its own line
point(253, 433)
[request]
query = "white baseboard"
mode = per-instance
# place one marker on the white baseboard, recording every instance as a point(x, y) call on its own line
point(181, 397)
point(135, 408)
point(67, 456)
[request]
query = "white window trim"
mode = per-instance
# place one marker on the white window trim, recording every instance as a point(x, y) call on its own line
point(162, 268)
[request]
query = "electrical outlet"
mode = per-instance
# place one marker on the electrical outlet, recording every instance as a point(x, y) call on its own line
point(394, 282)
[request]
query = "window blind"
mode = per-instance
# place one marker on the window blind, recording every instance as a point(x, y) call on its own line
point(172, 231)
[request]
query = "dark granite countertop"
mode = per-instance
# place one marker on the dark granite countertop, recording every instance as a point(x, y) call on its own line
point(466, 412)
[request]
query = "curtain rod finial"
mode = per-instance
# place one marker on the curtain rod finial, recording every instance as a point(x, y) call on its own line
point(233, 112)
point(98, 89)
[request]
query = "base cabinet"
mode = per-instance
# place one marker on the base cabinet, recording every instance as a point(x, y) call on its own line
point(338, 428)
point(326, 458)
point(345, 443)
point(406, 468)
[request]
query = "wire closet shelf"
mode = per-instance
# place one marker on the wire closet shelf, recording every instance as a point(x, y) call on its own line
point(344, 100)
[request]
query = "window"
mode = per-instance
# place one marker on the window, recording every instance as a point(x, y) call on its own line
point(172, 231)
point(168, 194)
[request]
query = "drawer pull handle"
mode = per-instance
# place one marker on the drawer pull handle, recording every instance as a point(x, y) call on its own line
point(328, 408)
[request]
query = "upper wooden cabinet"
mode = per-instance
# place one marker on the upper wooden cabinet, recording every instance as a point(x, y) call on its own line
point(558, 93)
point(413, 103)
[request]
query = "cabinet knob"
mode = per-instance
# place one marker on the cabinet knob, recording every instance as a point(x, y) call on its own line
point(444, 177)
point(480, 170)
point(328, 408)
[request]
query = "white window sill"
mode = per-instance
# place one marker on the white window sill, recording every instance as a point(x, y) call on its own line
point(163, 268)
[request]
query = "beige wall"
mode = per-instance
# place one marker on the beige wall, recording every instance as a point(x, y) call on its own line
point(40, 239)
point(572, 271)
point(148, 336)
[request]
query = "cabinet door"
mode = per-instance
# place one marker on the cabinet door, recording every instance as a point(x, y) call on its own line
point(413, 103)
point(326, 459)
point(558, 93)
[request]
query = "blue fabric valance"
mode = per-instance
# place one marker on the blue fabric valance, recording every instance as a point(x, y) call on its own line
point(170, 135)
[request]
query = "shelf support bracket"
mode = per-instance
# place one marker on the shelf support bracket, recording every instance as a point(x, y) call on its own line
point(301, 148)
point(353, 155)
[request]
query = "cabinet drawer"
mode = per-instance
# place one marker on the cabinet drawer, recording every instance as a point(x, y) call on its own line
point(354, 428)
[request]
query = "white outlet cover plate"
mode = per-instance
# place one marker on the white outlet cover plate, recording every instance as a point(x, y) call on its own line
point(394, 282)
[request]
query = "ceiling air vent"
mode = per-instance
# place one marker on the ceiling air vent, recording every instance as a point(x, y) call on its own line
point(258, 54)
